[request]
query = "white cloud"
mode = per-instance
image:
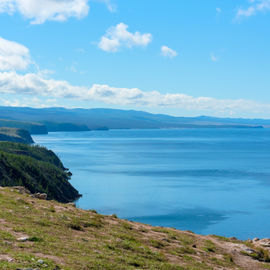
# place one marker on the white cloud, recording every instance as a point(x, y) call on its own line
point(118, 36)
point(254, 7)
point(111, 7)
point(39, 11)
point(13, 56)
point(7, 6)
point(28, 102)
point(168, 52)
point(37, 85)
point(213, 57)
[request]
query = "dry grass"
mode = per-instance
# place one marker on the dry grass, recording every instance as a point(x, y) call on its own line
point(60, 236)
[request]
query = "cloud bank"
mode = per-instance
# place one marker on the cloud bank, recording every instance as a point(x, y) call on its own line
point(118, 37)
point(39, 11)
point(35, 84)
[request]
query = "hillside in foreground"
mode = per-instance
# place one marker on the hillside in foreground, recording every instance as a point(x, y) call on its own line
point(36, 168)
point(39, 234)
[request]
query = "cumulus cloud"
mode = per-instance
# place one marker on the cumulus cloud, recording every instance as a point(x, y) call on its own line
point(168, 52)
point(13, 56)
point(39, 11)
point(118, 36)
point(254, 7)
point(37, 85)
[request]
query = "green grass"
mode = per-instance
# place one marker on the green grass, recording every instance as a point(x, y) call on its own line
point(259, 254)
point(209, 246)
point(67, 238)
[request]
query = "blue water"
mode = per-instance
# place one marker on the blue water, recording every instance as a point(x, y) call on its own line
point(205, 180)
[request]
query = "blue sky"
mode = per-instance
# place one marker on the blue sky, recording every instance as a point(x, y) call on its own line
point(178, 57)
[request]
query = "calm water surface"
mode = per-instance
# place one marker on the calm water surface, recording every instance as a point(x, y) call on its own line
point(205, 180)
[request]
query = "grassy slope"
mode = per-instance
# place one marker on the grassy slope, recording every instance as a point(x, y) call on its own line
point(15, 135)
point(64, 237)
point(37, 169)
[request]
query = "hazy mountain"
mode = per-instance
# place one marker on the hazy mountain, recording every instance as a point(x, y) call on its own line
point(120, 119)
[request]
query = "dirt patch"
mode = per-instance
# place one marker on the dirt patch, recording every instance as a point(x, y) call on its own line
point(4, 257)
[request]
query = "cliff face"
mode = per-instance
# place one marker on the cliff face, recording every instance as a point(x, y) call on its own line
point(37, 169)
point(15, 135)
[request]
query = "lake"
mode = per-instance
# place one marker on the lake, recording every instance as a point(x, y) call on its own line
point(210, 181)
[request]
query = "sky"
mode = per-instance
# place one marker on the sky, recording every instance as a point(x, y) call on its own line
point(178, 57)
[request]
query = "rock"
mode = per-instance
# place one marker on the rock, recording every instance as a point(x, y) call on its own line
point(255, 239)
point(72, 204)
point(265, 242)
point(23, 238)
point(27, 269)
point(22, 190)
point(41, 196)
point(6, 258)
point(249, 250)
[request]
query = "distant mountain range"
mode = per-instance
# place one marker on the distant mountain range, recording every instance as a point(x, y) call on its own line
point(61, 119)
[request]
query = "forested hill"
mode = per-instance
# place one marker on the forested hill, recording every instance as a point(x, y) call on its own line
point(31, 127)
point(37, 169)
point(38, 126)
